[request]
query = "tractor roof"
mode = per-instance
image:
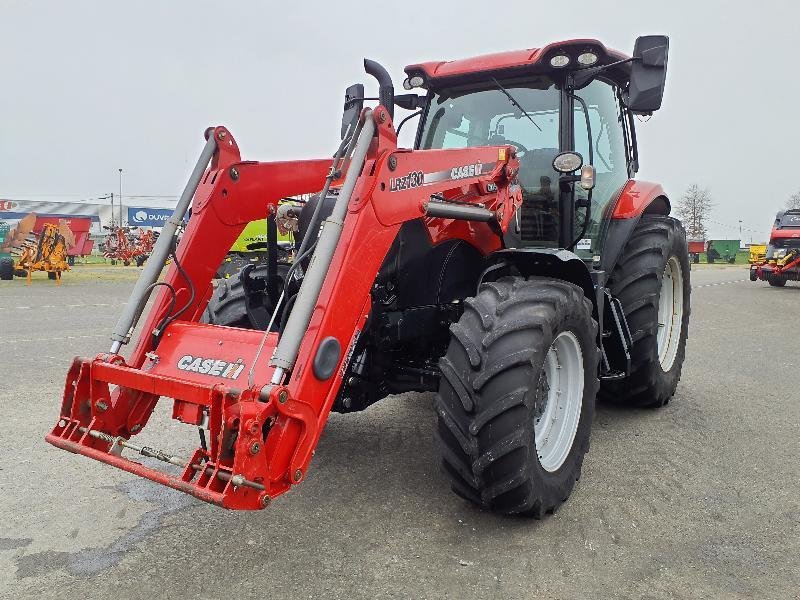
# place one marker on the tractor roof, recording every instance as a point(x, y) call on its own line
point(515, 63)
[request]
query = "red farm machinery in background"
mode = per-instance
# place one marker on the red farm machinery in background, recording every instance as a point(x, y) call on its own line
point(782, 261)
point(510, 262)
point(129, 244)
point(44, 243)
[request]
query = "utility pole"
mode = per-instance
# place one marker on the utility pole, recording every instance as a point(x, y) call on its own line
point(111, 197)
point(120, 197)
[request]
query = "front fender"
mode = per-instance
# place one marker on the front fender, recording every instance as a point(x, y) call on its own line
point(552, 262)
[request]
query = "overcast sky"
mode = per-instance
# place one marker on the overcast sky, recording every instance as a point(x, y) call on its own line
point(89, 87)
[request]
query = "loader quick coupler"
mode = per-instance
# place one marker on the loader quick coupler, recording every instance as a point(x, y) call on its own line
point(232, 472)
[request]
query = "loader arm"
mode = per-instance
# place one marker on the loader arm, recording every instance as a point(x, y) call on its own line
point(261, 433)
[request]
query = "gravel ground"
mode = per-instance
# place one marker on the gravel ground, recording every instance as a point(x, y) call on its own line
point(700, 499)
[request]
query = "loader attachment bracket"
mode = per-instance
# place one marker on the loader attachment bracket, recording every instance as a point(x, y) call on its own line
point(247, 463)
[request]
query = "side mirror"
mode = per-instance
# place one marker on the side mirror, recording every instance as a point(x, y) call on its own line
point(648, 73)
point(353, 103)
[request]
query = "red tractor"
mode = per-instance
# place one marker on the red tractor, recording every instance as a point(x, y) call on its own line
point(782, 261)
point(509, 262)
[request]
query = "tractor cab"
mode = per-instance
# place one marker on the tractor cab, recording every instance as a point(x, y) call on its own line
point(573, 100)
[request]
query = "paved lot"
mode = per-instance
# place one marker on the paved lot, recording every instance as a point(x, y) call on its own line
point(699, 499)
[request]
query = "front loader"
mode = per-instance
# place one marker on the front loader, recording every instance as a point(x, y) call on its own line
point(509, 262)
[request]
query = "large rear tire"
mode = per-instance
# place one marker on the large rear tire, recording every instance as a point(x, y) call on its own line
point(517, 393)
point(651, 280)
point(6, 269)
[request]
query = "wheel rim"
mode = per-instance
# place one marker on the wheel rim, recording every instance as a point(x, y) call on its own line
point(670, 314)
point(559, 400)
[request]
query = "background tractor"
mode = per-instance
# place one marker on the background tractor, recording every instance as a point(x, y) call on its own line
point(509, 262)
point(250, 248)
point(782, 260)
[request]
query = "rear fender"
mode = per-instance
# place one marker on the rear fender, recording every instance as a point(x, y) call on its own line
point(636, 199)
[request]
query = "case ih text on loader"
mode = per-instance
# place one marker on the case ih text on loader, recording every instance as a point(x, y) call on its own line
point(509, 262)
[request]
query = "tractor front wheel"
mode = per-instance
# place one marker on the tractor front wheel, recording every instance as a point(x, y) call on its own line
point(517, 393)
point(651, 280)
point(228, 304)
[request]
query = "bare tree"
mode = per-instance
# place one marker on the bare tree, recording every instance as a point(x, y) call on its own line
point(694, 209)
point(793, 201)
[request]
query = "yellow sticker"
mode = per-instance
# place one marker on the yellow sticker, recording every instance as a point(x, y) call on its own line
point(501, 154)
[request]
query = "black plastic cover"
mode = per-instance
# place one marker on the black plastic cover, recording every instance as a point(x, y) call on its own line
point(326, 358)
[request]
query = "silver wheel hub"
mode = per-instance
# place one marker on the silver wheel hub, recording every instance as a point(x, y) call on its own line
point(670, 314)
point(559, 399)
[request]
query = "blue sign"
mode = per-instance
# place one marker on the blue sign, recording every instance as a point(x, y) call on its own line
point(148, 217)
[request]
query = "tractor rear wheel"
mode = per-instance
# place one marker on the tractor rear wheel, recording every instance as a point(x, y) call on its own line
point(6, 269)
point(517, 393)
point(651, 280)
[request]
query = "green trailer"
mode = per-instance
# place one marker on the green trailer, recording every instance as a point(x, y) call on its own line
point(722, 251)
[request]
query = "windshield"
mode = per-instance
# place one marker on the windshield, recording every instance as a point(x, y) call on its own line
point(487, 117)
point(779, 247)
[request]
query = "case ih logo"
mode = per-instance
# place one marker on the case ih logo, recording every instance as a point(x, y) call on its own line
point(466, 171)
point(211, 366)
point(7, 205)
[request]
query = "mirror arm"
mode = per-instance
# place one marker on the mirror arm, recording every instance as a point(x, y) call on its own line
point(583, 76)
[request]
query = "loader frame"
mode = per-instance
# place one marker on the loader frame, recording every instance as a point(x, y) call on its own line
point(264, 427)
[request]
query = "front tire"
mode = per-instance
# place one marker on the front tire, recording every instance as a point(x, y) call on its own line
point(651, 280)
point(228, 303)
point(517, 393)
